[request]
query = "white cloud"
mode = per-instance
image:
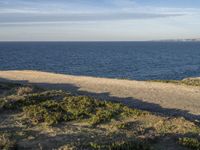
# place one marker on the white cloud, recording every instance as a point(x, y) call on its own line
point(69, 17)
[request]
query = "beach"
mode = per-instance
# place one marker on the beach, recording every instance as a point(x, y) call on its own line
point(166, 98)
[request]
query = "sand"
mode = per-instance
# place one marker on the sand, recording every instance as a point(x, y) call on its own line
point(165, 98)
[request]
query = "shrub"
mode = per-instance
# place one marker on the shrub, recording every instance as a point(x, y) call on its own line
point(24, 90)
point(79, 106)
point(39, 114)
point(122, 145)
point(124, 125)
point(19, 102)
point(101, 116)
point(130, 145)
point(192, 143)
point(6, 143)
point(190, 82)
point(74, 108)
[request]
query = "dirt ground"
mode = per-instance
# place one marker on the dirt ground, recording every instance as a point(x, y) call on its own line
point(168, 98)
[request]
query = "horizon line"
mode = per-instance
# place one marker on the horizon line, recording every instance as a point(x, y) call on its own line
point(164, 40)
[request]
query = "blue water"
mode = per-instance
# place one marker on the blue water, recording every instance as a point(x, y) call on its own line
point(132, 60)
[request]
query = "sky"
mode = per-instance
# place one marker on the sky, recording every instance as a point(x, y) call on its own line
point(99, 20)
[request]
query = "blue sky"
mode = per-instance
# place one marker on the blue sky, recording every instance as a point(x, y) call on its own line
point(98, 20)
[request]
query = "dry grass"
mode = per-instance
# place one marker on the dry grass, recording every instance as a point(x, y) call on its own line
point(24, 90)
point(190, 82)
point(6, 143)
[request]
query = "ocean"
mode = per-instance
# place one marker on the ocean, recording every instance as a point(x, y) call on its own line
point(127, 60)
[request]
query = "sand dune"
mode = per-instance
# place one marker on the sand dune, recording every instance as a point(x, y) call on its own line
point(167, 98)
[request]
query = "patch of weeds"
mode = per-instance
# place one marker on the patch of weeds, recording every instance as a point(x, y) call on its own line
point(122, 145)
point(132, 112)
point(41, 113)
point(24, 91)
point(192, 143)
point(53, 112)
point(6, 143)
point(175, 125)
point(76, 108)
point(190, 82)
point(46, 95)
point(79, 106)
point(12, 102)
point(16, 102)
point(101, 116)
point(125, 125)
point(112, 111)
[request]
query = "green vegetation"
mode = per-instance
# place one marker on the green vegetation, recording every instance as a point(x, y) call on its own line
point(6, 143)
point(192, 143)
point(190, 82)
point(52, 107)
point(75, 108)
point(36, 118)
point(123, 145)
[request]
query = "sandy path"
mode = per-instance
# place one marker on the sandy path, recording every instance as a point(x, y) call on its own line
point(162, 97)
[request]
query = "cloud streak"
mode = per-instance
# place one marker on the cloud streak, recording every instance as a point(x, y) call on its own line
point(34, 17)
point(50, 11)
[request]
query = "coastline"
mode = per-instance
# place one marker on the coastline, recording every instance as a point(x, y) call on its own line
point(167, 98)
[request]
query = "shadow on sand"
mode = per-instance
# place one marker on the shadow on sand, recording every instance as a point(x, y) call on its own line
point(131, 102)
